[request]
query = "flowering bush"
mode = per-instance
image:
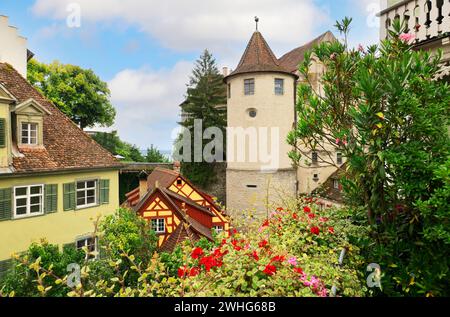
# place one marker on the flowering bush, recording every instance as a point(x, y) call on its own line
point(281, 257)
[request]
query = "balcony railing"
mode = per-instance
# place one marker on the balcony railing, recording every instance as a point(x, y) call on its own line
point(427, 19)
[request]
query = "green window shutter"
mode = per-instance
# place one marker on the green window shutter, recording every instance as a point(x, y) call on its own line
point(2, 132)
point(5, 204)
point(51, 199)
point(69, 196)
point(5, 266)
point(104, 191)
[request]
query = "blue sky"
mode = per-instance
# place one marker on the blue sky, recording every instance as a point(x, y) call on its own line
point(145, 49)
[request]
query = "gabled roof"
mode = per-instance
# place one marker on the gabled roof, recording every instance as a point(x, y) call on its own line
point(169, 197)
point(31, 102)
point(66, 146)
point(292, 59)
point(258, 57)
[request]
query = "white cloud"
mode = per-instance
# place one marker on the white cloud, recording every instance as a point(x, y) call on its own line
point(196, 24)
point(147, 102)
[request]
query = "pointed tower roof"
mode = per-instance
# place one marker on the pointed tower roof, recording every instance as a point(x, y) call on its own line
point(258, 57)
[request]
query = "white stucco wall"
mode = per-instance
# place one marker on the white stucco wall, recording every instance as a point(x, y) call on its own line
point(13, 47)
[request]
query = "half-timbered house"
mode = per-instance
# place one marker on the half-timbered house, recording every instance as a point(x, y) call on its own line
point(176, 209)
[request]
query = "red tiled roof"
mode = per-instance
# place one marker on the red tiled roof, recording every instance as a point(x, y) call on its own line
point(292, 60)
point(258, 57)
point(164, 177)
point(66, 146)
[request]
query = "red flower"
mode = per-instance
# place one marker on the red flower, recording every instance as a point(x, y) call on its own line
point(311, 216)
point(182, 271)
point(278, 258)
point(197, 253)
point(331, 230)
point(323, 219)
point(280, 209)
point(255, 255)
point(307, 209)
point(209, 262)
point(263, 244)
point(234, 231)
point(194, 272)
point(295, 216)
point(315, 230)
point(265, 224)
point(270, 270)
point(224, 241)
point(298, 270)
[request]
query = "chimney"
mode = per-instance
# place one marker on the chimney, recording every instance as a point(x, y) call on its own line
point(177, 166)
point(225, 71)
point(143, 185)
point(14, 47)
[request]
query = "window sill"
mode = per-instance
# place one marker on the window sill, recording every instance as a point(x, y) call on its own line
point(87, 207)
point(28, 216)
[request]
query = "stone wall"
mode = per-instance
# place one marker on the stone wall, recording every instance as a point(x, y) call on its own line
point(218, 187)
point(255, 190)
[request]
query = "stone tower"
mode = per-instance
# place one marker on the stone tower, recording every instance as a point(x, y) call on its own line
point(261, 112)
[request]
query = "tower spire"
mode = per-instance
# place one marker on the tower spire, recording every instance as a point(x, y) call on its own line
point(256, 20)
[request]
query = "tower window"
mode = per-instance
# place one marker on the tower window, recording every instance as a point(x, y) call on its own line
point(315, 158)
point(339, 158)
point(249, 86)
point(316, 177)
point(279, 86)
point(229, 90)
point(252, 113)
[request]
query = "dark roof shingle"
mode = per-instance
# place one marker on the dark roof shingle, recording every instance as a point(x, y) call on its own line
point(258, 57)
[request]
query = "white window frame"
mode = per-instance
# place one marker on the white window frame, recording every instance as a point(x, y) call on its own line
point(85, 239)
point(219, 229)
point(28, 135)
point(158, 220)
point(28, 197)
point(86, 189)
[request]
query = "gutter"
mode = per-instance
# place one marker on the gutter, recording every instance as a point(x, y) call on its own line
point(58, 172)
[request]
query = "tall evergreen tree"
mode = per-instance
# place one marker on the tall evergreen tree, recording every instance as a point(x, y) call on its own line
point(206, 92)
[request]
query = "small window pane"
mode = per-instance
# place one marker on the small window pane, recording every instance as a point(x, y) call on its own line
point(81, 244)
point(90, 184)
point(21, 191)
point(21, 202)
point(36, 190)
point(36, 200)
point(21, 211)
point(81, 185)
point(35, 209)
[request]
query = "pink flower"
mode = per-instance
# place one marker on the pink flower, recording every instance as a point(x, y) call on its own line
point(293, 261)
point(361, 48)
point(407, 37)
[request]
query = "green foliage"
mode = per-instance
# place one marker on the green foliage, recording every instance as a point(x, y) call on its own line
point(77, 92)
point(383, 109)
point(155, 156)
point(206, 91)
point(125, 231)
point(36, 265)
point(116, 146)
point(281, 258)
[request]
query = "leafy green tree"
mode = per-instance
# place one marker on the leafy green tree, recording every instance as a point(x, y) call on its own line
point(78, 93)
point(383, 109)
point(113, 143)
point(155, 156)
point(206, 91)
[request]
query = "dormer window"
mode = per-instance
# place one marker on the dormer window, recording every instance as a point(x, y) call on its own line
point(29, 118)
point(249, 87)
point(29, 133)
